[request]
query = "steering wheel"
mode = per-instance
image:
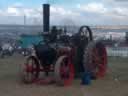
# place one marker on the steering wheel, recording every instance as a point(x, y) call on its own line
point(86, 31)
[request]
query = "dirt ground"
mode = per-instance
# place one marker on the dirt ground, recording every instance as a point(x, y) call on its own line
point(114, 84)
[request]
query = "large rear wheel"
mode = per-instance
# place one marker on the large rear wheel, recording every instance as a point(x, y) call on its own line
point(95, 59)
point(64, 71)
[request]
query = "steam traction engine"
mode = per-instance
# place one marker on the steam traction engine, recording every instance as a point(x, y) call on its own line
point(65, 56)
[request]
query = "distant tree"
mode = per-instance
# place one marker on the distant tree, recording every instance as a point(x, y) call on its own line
point(126, 37)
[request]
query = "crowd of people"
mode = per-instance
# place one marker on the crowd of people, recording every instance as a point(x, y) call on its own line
point(8, 49)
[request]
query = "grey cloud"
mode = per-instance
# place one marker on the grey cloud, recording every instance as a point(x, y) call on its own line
point(121, 0)
point(75, 17)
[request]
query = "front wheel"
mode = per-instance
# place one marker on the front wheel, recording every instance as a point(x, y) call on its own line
point(30, 70)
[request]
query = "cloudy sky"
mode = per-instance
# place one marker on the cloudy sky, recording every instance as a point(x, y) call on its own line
point(73, 12)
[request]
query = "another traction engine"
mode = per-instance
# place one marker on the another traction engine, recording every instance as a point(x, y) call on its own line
point(61, 57)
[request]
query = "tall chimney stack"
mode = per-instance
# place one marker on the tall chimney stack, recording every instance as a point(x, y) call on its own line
point(46, 17)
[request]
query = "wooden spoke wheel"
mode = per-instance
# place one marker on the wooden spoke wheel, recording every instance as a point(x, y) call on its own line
point(96, 59)
point(30, 70)
point(64, 71)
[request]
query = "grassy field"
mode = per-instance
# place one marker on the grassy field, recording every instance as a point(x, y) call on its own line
point(118, 68)
point(114, 84)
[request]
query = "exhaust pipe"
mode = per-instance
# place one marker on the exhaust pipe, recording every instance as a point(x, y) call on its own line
point(46, 18)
